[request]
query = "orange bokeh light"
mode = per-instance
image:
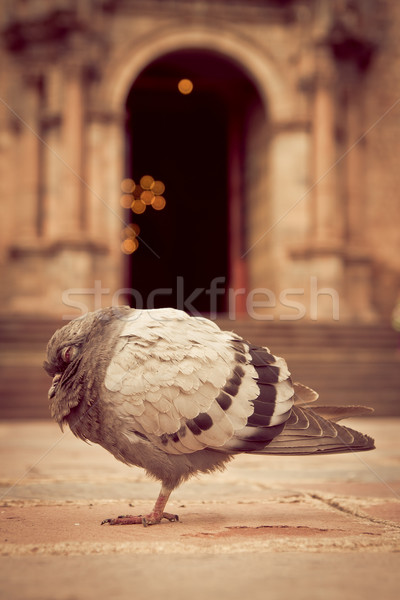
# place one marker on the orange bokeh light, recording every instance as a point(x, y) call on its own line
point(185, 86)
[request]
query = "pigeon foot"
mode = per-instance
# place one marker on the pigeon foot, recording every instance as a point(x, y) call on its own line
point(152, 518)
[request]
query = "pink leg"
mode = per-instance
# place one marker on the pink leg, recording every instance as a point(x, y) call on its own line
point(152, 518)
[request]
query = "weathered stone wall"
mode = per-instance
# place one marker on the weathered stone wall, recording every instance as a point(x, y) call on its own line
point(320, 213)
point(381, 183)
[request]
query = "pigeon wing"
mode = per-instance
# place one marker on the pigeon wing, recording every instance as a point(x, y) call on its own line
point(187, 385)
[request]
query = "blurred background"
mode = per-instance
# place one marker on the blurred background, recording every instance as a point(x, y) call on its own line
point(237, 159)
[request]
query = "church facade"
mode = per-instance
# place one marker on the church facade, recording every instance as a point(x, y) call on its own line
point(280, 166)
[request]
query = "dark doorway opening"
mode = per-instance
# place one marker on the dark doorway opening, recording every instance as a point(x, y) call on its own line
point(184, 140)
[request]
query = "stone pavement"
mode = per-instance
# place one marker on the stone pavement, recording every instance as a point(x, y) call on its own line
point(268, 527)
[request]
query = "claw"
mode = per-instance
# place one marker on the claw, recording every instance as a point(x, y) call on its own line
point(152, 518)
point(147, 520)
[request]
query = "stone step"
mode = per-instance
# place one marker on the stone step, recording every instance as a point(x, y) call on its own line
point(23, 389)
point(346, 364)
point(26, 331)
point(289, 335)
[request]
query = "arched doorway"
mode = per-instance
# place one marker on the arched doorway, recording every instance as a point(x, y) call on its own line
point(189, 253)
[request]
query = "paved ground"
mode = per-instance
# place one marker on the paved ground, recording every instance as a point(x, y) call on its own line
point(276, 528)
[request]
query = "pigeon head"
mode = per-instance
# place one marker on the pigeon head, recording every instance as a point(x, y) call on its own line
point(67, 349)
point(64, 353)
point(65, 346)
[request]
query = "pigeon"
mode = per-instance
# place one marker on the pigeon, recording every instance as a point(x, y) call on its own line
point(176, 395)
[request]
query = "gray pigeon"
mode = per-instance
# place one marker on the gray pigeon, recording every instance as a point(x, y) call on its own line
point(176, 395)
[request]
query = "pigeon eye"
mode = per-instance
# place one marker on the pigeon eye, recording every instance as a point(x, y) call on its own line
point(68, 353)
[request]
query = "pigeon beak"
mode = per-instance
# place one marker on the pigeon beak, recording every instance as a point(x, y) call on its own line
point(53, 388)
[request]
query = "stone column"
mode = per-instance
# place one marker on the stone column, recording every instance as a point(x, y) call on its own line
point(354, 168)
point(321, 256)
point(10, 129)
point(72, 210)
point(237, 261)
point(78, 227)
point(357, 260)
point(105, 171)
point(327, 217)
point(65, 155)
point(28, 167)
point(53, 163)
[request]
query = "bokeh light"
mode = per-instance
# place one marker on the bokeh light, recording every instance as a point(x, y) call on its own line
point(159, 203)
point(147, 196)
point(147, 181)
point(185, 86)
point(138, 207)
point(130, 231)
point(147, 193)
point(158, 188)
point(127, 186)
point(129, 234)
point(138, 197)
point(126, 200)
point(134, 229)
point(129, 246)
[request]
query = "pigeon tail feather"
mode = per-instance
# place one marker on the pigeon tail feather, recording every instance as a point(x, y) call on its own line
point(306, 432)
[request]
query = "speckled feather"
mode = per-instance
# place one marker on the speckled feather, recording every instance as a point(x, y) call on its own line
point(176, 395)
